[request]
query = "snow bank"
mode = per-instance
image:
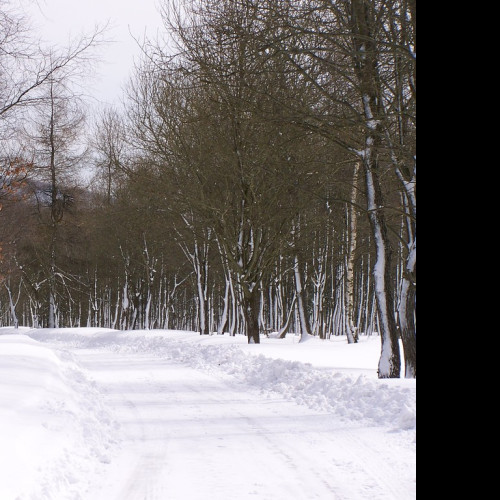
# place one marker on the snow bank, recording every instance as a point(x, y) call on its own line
point(351, 398)
point(56, 434)
point(54, 431)
point(331, 377)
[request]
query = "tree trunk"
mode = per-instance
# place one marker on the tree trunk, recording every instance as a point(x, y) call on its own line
point(407, 313)
point(52, 279)
point(199, 259)
point(55, 215)
point(284, 329)
point(305, 328)
point(367, 68)
point(408, 296)
point(251, 310)
point(390, 361)
point(13, 314)
point(225, 313)
point(352, 330)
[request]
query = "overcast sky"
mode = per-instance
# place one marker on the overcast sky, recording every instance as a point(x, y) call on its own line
point(60, 20)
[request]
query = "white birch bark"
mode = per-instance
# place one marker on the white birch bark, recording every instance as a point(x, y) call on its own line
point(352, 329)
point(13, 304)
point(225, 312)
point(124, 319)
point(305, 331)
point(286, 326)
point(319, 280)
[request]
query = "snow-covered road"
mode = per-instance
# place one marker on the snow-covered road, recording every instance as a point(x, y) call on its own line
point(168, 416)
point(189, 435)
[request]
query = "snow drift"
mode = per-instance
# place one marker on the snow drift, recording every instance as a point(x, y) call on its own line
point(350, 397)
point(354, 399)
point(53, 428)
point(58, 436)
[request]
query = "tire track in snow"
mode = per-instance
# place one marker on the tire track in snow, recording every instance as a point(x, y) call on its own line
point(378, 476)
point(144, 482)
point(200, 439)
point(195, 436)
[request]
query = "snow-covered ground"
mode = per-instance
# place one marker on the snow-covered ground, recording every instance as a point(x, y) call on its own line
point(89, 414)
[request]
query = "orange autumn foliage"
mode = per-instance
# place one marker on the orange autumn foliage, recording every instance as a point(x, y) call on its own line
point(12, 178)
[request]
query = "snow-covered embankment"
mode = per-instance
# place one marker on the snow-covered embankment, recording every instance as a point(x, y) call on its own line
point(53, 428)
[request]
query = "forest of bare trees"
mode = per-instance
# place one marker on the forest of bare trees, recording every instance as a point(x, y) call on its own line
point(260, 178)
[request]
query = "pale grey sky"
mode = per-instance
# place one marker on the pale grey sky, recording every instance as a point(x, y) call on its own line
point(60, 20)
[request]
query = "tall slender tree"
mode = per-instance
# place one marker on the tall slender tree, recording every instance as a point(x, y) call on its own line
point(55, 136)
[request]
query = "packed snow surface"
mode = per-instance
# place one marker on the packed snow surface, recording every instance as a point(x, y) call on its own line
point(92, 414)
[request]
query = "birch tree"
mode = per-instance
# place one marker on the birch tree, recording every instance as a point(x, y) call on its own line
point(352, 327)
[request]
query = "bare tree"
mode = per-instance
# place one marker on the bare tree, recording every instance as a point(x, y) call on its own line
point(109, 145)
point(34, 82)
point(201, 122)
point(55, 134)
point(26, 65)
point(358, 58)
